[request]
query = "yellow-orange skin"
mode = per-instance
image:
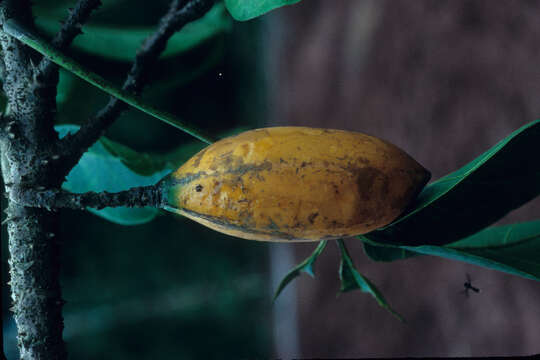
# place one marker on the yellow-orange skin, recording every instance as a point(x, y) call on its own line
point(296, 184)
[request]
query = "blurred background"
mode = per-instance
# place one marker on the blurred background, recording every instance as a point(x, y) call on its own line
point(443, 80)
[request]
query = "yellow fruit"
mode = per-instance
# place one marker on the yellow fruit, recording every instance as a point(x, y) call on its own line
point(295, 184)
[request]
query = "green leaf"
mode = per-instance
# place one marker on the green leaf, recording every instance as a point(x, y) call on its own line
point(148, 164)
point(351, 279)
point(305, 266)
point(141, 163)
point(500, 236)
point(473, 197)
point(121, 44)
point(243, 10)
point(384, 252)
point(100, 170)
point(514, 249)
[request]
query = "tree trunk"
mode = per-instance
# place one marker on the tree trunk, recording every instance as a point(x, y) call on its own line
point(26, 140)
point(35, 286)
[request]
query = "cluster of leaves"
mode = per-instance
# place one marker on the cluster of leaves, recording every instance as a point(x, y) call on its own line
point(450, 216)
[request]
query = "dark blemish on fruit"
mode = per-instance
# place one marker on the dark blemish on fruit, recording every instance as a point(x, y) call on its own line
point(198, 188)
point(366, 178)
point(243, 169)
point(363, 161)
point(312, 217)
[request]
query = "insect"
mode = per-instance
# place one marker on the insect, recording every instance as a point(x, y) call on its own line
point(468, 286)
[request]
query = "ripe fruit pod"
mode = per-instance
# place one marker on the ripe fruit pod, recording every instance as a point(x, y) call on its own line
point(295, 184)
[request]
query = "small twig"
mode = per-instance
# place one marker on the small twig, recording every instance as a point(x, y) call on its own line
point(70, 29)
point(180, 13)
point(55, 199)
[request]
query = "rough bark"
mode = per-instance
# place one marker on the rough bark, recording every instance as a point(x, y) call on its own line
point(55, 199)
point(70, 29)
point(35, 287)
point(34, 265)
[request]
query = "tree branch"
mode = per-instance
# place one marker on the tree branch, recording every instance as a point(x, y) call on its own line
point(180, 13)
point(46, 72)
point(55, 199)
point(42, 46)
point(70, 29)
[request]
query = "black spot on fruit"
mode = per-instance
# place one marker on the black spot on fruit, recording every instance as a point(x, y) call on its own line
point(198, 188)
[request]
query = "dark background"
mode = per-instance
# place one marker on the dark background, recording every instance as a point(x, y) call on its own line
point(443, 80)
